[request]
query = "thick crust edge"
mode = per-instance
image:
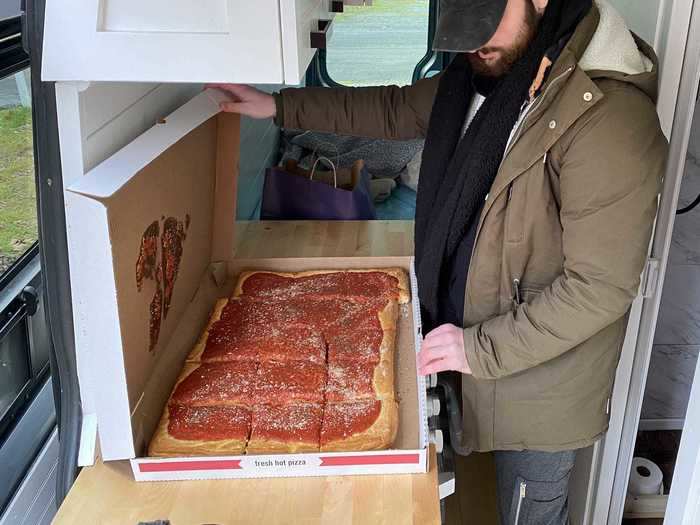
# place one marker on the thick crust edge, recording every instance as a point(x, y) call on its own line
point(399, 273)
point(389, 316)
point(196, 354)
point(379, 436)
point(164, 445)
point(265, 446)
point(384, 378)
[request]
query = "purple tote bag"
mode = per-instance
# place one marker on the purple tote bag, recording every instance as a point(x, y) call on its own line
point(290, 196)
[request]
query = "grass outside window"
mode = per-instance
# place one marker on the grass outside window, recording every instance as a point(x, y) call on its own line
point(18, 218)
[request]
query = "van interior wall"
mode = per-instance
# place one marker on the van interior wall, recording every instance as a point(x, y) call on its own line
point(259, 150)
point(114, 113)
point(677, 339)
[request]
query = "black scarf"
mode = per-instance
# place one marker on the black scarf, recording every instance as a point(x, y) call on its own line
point(457, 171)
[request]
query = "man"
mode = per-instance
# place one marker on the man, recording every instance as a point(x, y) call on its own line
point(537, 194)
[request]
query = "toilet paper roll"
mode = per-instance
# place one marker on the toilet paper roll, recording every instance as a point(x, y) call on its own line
point(645, 478)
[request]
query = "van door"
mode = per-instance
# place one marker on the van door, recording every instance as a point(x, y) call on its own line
point(28, 437)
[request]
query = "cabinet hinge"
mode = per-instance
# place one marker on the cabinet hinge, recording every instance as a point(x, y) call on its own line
point(650, 278)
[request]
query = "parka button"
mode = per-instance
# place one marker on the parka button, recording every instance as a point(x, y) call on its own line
point(552, 124)
point(588, 96)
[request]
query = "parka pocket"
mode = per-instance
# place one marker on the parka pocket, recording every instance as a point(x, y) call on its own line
point(515, 209)
point(523, 293)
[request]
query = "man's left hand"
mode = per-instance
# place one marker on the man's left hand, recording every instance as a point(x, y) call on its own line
point(442, 350)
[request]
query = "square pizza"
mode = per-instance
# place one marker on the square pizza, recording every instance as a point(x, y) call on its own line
point(359, 425)
point(229, 383)
point(352, 381)
point(202, 430)
point(285, 428)
point(356, 285)
point(291, 363)
point(290, 382)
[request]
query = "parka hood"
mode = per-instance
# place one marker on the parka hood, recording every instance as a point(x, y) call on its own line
point(615, 52)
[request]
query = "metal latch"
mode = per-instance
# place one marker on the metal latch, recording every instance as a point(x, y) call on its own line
point(650, 278)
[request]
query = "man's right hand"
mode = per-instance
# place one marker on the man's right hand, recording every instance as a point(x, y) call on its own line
point(246, 100)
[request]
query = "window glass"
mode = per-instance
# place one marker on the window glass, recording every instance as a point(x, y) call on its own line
point(18, 219)
point(9, 8)
point(378, 44)
point(14, 366)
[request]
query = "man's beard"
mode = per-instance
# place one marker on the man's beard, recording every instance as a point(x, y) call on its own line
point(507, 55)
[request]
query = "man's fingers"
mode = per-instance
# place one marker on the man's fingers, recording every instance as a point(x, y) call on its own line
point(440, 330)
point(427, 355)
point(437, 340)
point(440, 365)
point(230, 107)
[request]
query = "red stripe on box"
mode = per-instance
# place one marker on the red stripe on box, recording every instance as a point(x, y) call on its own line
point(384, 459)
point(172, 466)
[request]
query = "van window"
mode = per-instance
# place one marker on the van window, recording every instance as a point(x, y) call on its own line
point(18, 218)
point(378, 44)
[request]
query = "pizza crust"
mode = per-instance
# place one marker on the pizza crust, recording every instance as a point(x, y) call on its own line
point(389, 316)
point(164, 445)
point(384, 377)
point(196, 353)
point(380, 435)
point(269, 446)
point(404, 287)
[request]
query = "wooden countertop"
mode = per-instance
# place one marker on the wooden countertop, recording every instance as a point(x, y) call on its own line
point(107, 493)
point(324, 238)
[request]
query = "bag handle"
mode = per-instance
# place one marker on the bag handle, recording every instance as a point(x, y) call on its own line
point(314, 154)
point(329, 161)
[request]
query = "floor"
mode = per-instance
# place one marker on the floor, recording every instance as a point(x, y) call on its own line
point(474, 500)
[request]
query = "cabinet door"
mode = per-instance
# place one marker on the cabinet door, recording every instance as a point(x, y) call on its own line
point(163, 41)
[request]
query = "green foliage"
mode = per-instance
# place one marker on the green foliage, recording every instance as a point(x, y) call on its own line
point(18, 219)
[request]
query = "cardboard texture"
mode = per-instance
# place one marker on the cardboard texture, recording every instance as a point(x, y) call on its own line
point(182, 175)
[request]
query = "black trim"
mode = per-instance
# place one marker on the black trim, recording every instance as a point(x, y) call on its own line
point(689, 207)
point(54, 256)
point(432, 60)
point(20, 263)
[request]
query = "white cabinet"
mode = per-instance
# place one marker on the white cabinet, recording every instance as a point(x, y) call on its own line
point(254, 41)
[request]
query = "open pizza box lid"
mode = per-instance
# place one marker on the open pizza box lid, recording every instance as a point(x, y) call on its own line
point(180, 176)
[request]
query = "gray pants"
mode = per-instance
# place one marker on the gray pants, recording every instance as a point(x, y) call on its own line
point(533, 487)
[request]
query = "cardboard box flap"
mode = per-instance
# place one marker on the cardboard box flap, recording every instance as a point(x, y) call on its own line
point(162, 210)
point(109, 176)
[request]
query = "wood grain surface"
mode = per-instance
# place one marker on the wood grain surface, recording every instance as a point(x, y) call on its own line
point(106, 493)
point(324, 238)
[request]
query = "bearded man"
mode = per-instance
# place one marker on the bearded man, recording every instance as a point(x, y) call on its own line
point(537, 195)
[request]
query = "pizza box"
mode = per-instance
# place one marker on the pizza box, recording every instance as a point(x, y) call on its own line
point(178, 179)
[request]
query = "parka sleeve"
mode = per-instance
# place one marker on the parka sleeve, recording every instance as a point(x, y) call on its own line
point(388, 112)
point(610, 177)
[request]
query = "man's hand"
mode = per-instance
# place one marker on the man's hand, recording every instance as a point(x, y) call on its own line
point(442, 350)
point(246, 100)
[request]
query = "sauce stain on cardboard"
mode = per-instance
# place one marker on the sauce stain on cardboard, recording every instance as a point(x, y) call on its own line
point(162, 270)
